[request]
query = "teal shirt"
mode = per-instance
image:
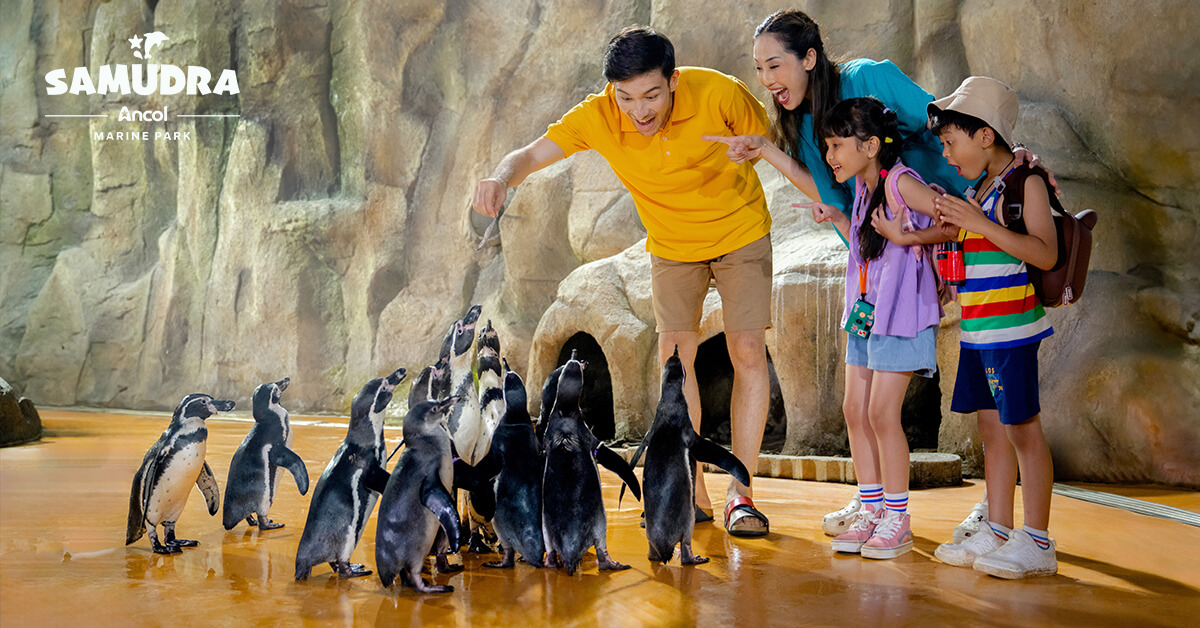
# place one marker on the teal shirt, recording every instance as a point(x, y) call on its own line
point(922, 150)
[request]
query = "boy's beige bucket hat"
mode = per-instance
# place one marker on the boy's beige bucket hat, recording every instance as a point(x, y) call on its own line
point(985, 98)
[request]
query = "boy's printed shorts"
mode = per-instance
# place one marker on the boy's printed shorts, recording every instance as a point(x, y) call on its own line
point(743, 277)
point(998, 379)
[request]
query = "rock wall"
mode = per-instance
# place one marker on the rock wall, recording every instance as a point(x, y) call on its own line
point(320, 229)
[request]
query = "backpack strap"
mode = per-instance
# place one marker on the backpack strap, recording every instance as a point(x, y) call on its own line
point(1011, 212)
point(896, 201)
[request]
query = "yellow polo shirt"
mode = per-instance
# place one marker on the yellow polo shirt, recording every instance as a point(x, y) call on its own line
point(695, 203)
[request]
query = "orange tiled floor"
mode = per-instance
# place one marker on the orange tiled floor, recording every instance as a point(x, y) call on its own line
point(63, 504)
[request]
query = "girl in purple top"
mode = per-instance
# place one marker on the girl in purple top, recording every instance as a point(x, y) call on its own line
point(889, 277)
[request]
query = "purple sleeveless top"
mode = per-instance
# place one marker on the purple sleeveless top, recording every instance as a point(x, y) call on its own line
point(900, 286)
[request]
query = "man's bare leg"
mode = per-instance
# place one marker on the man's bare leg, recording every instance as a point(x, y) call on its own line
point(748, 407)
point(688, 341)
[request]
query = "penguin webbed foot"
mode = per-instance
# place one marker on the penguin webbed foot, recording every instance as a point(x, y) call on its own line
point(251, 521)
point(267, 524)
point(352, 570)
point(552, 559)
point(159, 548)
point(606, 562)
point(505, 563)
point(183, 543)
point(686, 556)
point(445, 566)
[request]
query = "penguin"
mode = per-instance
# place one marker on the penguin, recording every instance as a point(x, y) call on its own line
point(516, 462)
point(416, 502)
point(176, 461)
point(465, 427)
point(549, 389)
point(253, 480)
point(482, 502)
point(430, 380)
point(347, 490)
point(573, 516)
point(672, 448)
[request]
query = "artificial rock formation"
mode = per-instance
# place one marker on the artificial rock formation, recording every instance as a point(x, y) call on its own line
point(320, 227)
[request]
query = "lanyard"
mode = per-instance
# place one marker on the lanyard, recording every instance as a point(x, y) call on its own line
point(862, 279)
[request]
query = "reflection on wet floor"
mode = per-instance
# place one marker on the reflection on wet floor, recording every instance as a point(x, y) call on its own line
point(63, 504)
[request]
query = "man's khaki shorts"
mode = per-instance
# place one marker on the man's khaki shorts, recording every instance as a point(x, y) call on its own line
point(743, 279)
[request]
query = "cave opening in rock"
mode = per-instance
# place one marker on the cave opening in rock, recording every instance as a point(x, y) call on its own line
point(714, 377)
point(597, 403)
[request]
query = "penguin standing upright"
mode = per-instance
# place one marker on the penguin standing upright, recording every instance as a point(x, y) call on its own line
point(482, 501)
point(347, 490)
point(672, 448)
point(516, 457)
point(549, 390)
point(174, 462)
point(428, 382)
point(253, 480)
point(416, 502)
point(465, 426)
point(573, 516)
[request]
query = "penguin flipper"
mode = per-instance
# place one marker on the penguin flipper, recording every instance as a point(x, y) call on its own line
point(207, 483)
point(438, 501)
point(707, 451)
point(137, 515)
point(376, 479)
point(490, 466)
point(612, 461)
point(468, 477)
point(637, 455)
point(288, 459)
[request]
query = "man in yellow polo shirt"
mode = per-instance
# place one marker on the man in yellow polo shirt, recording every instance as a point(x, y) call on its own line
point(705, 217)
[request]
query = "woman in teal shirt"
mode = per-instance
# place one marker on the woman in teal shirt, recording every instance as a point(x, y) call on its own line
point(790, 59)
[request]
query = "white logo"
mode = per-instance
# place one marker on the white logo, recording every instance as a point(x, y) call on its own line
point(143, 80)
point(152, 39)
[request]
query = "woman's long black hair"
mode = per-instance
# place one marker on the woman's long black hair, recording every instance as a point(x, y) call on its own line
point(862, 119)
point(798, 33)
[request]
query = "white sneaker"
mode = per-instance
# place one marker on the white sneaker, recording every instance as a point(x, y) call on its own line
point(839, 521)
point(1019, 558)
point(973, 522)
point(966, 553)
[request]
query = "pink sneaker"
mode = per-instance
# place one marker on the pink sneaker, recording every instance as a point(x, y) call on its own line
point(892, 536)
point(851, 541)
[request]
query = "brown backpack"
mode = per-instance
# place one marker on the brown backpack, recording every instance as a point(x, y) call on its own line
point(1063, 284)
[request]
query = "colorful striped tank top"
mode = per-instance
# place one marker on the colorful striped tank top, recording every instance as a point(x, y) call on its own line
point(999, 307)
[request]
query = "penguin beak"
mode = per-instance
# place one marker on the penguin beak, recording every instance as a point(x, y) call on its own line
point(676, 350)
point(394, 379)
point(283, 383)
point(505, 362)
point(472, 315)
point(444, 405)
point(223, 405)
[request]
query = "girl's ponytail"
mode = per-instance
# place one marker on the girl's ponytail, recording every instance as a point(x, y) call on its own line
point(862, 119)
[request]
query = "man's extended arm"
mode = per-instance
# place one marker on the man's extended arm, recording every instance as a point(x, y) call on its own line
point(512, 170)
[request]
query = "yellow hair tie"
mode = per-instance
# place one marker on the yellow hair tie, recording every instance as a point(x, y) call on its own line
point(887, 140)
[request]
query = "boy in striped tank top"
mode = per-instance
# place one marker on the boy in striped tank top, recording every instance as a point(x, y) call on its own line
point(1002, 326)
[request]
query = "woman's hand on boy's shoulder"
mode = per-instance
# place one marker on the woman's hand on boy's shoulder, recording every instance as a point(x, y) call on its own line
point(1022, 155)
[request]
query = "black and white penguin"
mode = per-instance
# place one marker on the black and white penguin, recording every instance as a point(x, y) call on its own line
point(482, 501)
point(515, 459)
point(573, 516)
point(253, 480)
point(549, 390)
point(176, 461)
point(416, 502)
point(347, 490)
point(672, 448)
point(465, 426)
point(428, 382)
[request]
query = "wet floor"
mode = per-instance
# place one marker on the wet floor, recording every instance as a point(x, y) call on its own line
point(63, 506)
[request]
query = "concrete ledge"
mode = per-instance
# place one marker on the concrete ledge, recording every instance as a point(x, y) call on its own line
point(927, 470)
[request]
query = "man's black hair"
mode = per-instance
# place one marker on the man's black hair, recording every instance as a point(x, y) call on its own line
point(969, 124)
point(637, 50)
